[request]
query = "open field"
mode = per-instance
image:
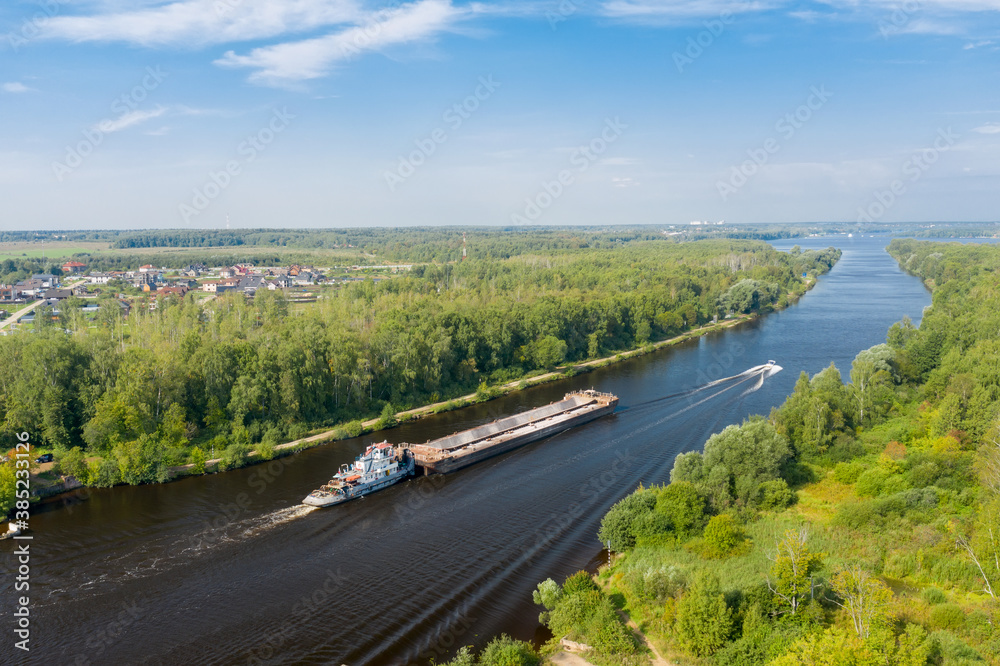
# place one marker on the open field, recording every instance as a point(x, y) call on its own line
point(54, 250)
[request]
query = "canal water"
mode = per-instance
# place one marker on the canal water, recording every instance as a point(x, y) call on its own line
point(230, 569)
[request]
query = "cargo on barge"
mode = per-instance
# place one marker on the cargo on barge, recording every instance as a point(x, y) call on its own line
point(465, 448)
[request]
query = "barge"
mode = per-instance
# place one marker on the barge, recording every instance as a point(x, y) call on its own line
point(451, 453)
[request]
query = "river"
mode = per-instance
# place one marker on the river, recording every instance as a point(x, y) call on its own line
point(228, 569)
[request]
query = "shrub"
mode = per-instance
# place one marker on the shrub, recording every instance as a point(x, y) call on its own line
point(948, 648)
point(73, 463)
point(933, 596)
point(234, 456)
point(463, 657)
point(774, 495)
point(848, 472)
point(618, 524)
point(505, 651)
point(684, 507)
point(198, 458)
point(354, 428)
point(947, 616)
point(704, 621)
point(723, 536)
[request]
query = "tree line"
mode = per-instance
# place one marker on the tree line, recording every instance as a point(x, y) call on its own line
point(856, 524)
point(152, 388)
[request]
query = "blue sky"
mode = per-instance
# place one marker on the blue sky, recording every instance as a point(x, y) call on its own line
point(348, 113)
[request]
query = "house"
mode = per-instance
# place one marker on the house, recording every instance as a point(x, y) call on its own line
point(11, 294)
point(32, 287)
point(219, 286)
point(250, 284)
point(71, 267)
point(194, 270)
point(306, 277)
point(148, 268)
point(57, 294)
point(101, 278)
point(177, 291)
point(280, 282)
point(47, 280)
point(80, 290)
point(144, 280)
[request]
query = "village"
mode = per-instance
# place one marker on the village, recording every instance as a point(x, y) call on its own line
point(147, 284)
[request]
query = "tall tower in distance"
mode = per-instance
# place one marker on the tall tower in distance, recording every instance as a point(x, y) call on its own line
point(464, 255)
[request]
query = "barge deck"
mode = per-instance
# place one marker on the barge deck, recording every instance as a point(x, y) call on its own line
point(465, 448)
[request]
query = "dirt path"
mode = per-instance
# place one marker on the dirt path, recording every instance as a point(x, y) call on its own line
point(657, 659)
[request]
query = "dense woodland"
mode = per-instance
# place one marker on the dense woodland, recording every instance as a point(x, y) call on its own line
point(859, 523)
point(154, 388)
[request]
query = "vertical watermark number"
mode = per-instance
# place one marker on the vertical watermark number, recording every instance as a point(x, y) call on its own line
point(22, 582)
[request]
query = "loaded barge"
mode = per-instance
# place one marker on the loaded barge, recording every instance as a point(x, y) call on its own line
point(383, 464)
point(465, 448)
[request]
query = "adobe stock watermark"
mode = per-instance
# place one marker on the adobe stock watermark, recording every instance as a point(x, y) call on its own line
point(697, 44)
point(32, 26)
point(901, 15)
point(786, 127)
point(913, 169)
point(248, 150)
point(581, 159)
point(561, 13)
point(454, 116)
point(126, 109)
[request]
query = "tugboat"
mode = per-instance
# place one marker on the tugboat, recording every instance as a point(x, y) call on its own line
point(380, 466)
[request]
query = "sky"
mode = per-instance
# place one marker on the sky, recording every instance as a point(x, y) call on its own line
point(347, 113)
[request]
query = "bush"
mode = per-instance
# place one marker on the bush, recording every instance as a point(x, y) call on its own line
point(723, 536)
point(354, 428)
point(704, 621)
point(73, 463)
point(947, 616)
point(234, 456)
point(505, 651)
point(948, 648)
point(933, 596)
point(684, 506)
point(773, 495)
point(848, 472)
point(198, 459)
point(463, 657)
point(618, 524)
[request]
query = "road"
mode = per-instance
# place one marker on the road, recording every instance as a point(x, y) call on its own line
point(20, 313)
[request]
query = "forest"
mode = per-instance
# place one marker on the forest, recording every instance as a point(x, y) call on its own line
point(124, 399)
point(858, 523)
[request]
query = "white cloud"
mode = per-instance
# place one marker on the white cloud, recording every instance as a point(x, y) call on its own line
point(312, 58)
point(669, 11)
point(619, 161)
point(16, 87)
point(988, 128)
point(158, 132)
point(201, 22)
point(128, 120)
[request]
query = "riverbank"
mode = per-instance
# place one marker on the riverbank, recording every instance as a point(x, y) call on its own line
point(327, 436)
point(485, 394)
point(491, 393)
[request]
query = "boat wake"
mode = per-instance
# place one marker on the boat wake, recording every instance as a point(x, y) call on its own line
point(758, 372)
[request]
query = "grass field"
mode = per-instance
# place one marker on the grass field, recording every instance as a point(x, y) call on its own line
point(54, 250)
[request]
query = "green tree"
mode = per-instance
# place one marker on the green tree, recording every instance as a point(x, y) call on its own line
point(619, 524)
point(506, 651)
point(723, 535)
point(198, 459)
point(684, 506)
point(793, 565)
point(73, 463)
point(867, 600)
point(704, 621)
point(8, 488)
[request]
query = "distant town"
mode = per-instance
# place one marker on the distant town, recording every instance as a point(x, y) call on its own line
point(147, 284)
